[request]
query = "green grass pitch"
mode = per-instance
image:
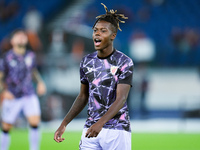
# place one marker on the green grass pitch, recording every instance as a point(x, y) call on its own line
point(140, 141)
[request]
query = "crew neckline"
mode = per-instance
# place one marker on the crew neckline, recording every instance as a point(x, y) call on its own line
point(107, 56)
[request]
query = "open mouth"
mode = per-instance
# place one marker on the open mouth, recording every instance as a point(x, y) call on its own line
point(97, 42)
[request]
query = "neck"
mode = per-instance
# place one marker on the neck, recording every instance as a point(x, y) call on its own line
point(105, 52)
point(19, 50)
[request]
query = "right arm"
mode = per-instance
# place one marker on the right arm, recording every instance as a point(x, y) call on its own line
point(4, 93)
point(1, 87)
point(77, 107)
point(1, 82)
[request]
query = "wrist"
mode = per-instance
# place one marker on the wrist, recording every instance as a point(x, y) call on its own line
point(64, 125)
point(101, 122)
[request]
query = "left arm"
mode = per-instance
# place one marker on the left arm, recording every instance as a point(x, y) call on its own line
point(122, 94)
point(41, 88)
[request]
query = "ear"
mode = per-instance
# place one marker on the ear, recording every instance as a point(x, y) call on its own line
point(113, 36)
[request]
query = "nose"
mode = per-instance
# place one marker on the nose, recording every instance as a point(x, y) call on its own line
point(97, 33)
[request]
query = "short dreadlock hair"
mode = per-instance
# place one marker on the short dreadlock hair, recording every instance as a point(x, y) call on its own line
point(111, 17)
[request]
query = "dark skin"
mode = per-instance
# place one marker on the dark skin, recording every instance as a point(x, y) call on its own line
point(76, 108)
point(103, 31)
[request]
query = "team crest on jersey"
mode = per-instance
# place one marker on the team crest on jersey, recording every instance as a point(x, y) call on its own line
point(28, 61)
point(113, 69)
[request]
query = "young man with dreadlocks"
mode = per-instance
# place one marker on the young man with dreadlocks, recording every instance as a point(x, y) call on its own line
point(106, 77)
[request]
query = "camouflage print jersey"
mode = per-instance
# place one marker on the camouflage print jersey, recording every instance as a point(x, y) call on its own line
point(103, 75)
point(17, 70)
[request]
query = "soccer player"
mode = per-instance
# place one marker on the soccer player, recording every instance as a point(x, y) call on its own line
point(106, 77)
point(17, 69)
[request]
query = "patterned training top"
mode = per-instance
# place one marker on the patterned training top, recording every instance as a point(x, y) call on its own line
point(103, 75)
point(17, 71)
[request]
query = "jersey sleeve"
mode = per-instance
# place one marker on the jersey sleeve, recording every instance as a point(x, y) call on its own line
point(83, 78)
point(126, 74)
point(2, 64)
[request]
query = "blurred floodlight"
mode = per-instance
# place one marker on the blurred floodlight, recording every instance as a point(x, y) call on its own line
point(142, 49)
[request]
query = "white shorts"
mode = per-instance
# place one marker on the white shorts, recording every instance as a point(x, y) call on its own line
point(29, 105)
point(108, 139)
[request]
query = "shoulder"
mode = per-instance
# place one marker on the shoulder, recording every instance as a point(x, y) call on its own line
point(30, 55)
point(8, 54)
point(6, 58)
point(30, 52)
point(123, 58)
point(91, 55)
point(88, 57)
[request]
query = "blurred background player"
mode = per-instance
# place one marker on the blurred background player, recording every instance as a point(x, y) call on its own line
point(106, 78)
point(17, 70)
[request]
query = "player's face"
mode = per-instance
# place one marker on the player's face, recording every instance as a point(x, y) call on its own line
point(103, 35)
point(19, 39)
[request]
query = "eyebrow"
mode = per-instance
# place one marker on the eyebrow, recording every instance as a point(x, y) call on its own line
point(100, 28)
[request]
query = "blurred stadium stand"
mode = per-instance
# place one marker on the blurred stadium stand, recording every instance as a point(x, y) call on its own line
point(172, 25)
point(48, 9)
point(158, 19)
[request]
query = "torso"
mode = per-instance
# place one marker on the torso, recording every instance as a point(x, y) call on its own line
point(18, 72)
point(103, 75)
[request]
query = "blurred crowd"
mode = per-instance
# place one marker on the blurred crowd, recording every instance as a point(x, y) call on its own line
point(8, 10)
point(185, 40)
point(147, 36)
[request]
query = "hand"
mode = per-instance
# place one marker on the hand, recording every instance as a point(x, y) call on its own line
point(58, 134)
point(94, 130)
point(7, 95)
point(41, 88)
